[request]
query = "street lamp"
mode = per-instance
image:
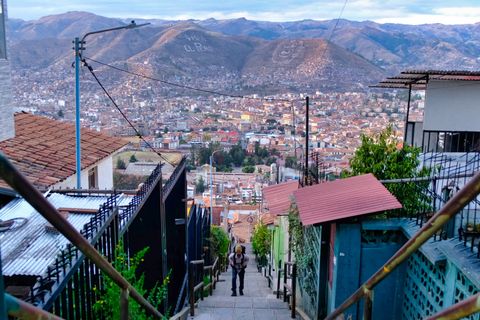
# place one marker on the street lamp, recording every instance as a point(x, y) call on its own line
point(79, 47)
point(211, 182)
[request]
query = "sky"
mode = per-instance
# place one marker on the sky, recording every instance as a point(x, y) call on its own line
point(381, 11)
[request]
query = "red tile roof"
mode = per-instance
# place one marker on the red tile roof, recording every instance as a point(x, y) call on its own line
point(267, 219)
point(277, 198)
point(245, 207)
point(44, 149)
point(343, 198)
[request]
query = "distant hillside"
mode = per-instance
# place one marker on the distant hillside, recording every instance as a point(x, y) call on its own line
point(189, 54)
point(246, 56)
point(390, 46)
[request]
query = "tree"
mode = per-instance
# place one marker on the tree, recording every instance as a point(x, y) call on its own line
point(248, 169)
point(237, 153)
point(133, 158)
point(121, 164)
point(270, 160)
point(249, 161)
point(261, 240)
point(219, 242)
point(379, 155)
point(200, 185)
point(127, 181)
point(291, 162)
point(257, 147)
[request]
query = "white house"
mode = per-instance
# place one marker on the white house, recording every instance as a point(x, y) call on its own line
point(44, 151)
point(450, 119)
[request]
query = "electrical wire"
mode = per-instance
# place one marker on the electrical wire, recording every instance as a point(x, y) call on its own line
point(333, 30)
point(187, 86)
point(123, 114)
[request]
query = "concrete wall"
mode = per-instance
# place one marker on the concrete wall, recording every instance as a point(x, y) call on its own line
point(452, 106)
point(105, 177)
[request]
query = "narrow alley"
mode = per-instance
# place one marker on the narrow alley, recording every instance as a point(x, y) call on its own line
point(258, 301)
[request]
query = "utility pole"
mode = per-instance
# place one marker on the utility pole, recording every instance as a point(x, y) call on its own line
point(78, 48)
point(78, 148)
point(307, 102)
point(294, 131)
point(406, 116)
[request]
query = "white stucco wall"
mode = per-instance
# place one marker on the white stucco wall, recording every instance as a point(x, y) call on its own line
point(452, 106)
point(105, 177)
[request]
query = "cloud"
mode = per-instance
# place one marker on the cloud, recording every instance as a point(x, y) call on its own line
point(392, 11)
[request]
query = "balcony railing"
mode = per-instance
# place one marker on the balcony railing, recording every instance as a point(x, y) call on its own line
point(458, 201)
point(71, 255)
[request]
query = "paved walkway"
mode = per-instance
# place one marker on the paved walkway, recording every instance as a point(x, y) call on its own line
point(258, 303)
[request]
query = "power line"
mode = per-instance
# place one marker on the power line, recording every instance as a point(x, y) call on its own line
point(333, 30)
point(123, 114)
point(187, 86)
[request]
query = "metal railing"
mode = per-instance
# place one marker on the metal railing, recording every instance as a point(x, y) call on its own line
point(18, 182)
point(213, 273)
point(194, 288)
point(168, 186)
point(464, 196)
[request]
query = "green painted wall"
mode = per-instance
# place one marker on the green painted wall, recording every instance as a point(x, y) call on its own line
point(278, 245)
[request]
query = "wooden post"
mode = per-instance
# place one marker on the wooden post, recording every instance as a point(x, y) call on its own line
point(367, 308)
point(124, 304)
point(211, 282)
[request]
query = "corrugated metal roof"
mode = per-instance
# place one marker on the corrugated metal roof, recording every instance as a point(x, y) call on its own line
point(344, 198)
point(277, 198)
point(29, 249)
point(418, 79)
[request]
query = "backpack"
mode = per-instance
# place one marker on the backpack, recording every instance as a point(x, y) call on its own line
point(243, 259)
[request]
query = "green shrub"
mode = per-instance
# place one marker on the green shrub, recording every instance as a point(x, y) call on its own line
point(108, 304)
point(219, 242)
point(261, 240)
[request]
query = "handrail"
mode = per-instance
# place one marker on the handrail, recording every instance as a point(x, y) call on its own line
point(23, 310)
point(193, 288)
point(459, 310)
point(454, 205)
point(17, 181)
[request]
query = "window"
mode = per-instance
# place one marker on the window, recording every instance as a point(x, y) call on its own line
point(93, 178)
point(450, 141)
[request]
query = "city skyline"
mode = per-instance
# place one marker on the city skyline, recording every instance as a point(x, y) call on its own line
point(415, 12)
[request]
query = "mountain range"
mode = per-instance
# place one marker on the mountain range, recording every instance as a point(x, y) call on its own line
point(241, 55)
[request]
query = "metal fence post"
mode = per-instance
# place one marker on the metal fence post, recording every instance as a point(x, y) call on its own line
point(191, 290)
point(285, 274)
point(279, 274)
point(294, 289)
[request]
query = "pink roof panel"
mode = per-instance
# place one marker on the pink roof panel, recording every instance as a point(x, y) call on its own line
point(344, 198)
point(278, 197)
